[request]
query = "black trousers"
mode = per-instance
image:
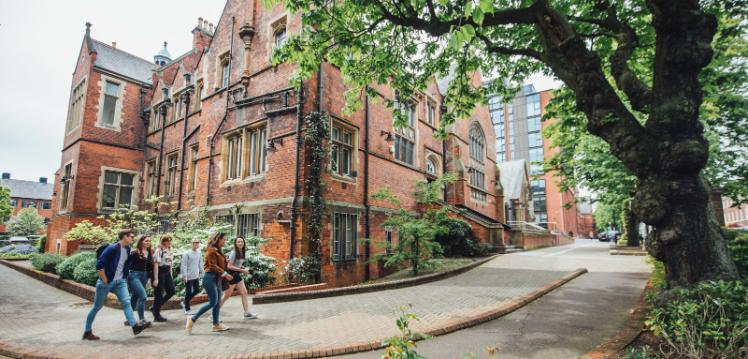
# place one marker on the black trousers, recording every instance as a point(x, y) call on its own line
point(164, 291)
point(191, 288)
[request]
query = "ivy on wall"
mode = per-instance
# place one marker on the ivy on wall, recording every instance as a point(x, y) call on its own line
point(317, 134)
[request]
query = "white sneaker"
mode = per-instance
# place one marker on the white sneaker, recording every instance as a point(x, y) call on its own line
point(187, 312)
point(250, 316)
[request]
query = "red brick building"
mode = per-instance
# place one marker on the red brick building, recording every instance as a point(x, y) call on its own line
point(27, 194)
point(220, 128)
point(519, 135)
point(735, 215)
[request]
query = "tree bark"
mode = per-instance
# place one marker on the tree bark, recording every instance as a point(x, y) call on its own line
point(668, 154)
point(631, 223)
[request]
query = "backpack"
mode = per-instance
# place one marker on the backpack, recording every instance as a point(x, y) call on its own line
point(100, 249)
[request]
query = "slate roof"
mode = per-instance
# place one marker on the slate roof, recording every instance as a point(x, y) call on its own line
point(123, 63)
point(28, 189)
point(513, 175)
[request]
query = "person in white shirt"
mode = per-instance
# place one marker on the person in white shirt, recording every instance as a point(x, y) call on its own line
point(235, 268)
point(191, 270)
point(163, 284)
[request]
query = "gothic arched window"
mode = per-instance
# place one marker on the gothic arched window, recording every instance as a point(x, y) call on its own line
point(477, 143)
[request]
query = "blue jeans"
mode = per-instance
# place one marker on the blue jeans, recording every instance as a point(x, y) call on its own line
point(136, 281)
point(191, 289)
point(214, 291)
point(119, 287)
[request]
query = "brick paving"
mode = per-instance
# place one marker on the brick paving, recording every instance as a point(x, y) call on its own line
point(33, 314)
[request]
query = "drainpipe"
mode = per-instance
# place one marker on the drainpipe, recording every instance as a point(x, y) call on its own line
point(297, 175)
point(184, 142)
point(367, 207)
point(225, 115)
point(442, 110)
point(164, 105)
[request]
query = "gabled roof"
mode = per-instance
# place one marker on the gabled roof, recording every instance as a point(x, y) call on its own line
point(28, 189)
point(119, 62)
point(513, 176)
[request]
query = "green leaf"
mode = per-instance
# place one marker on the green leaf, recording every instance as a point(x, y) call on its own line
point(468, 32)
point(478, 16)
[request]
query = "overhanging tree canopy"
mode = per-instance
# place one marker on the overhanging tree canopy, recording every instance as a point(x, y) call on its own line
point(407, 43)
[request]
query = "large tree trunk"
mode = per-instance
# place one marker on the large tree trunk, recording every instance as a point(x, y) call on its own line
point(666, 155)
point(631, 226)
point(689, 241)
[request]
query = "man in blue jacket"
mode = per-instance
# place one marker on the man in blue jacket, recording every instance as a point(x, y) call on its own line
point(113, 266)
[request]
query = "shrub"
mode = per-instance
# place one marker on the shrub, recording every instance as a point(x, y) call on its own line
point(85, 272)
point(302, 270)
point(709, 320)
point(622, 242)
point(261, 268)
point(739, 252)
point(65, 268)
point(46, 262)
point(16, 256)
point(42, 243)
point(456, 241)
point(644, 352)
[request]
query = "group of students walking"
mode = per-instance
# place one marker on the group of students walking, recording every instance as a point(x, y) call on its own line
point(119, 267)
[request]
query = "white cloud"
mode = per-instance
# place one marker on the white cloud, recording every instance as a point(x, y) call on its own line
point(41, 40)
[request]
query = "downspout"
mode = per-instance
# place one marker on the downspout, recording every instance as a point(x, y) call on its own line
point(161, 149)
point(367, 207)
point(297, 180)
point(225, 115)
point(184, 145)
point(442, 110)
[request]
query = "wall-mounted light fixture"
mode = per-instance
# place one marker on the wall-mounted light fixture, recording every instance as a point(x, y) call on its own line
point(388, 136)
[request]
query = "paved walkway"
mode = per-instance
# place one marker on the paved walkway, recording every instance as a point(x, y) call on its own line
point(33, 314)
point(565, 323)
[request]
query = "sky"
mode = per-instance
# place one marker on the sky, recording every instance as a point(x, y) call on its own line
point(41, 41)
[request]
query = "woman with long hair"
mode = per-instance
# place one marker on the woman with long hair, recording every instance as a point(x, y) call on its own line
point(215, 274)
point(236, 259)
point(142, 260)
point(163, 284)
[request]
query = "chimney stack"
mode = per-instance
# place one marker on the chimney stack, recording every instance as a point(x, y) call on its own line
point(114, 44)
point(211, 28)
point(199, 23)
point(43, 180)
point(6, 175)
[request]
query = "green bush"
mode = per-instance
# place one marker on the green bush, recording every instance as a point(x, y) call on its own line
point(709, 320)
point(457, 240)
point(739, 252)
point(622, 242)
point(261, 268)
point(302, 269)
point(644, 352)
point(66, 268)
point(16, 256)
point(85, 272)
point(46, 262)
point(42, 243)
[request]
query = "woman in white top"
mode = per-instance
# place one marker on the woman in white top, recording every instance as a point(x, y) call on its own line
point(163, 284)
point(235, 268)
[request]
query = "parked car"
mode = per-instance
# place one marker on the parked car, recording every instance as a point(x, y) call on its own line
point(607, 236)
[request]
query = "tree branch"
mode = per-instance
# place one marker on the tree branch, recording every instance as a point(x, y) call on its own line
point(436, 27)
point(639, 94)
point(491, 47)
